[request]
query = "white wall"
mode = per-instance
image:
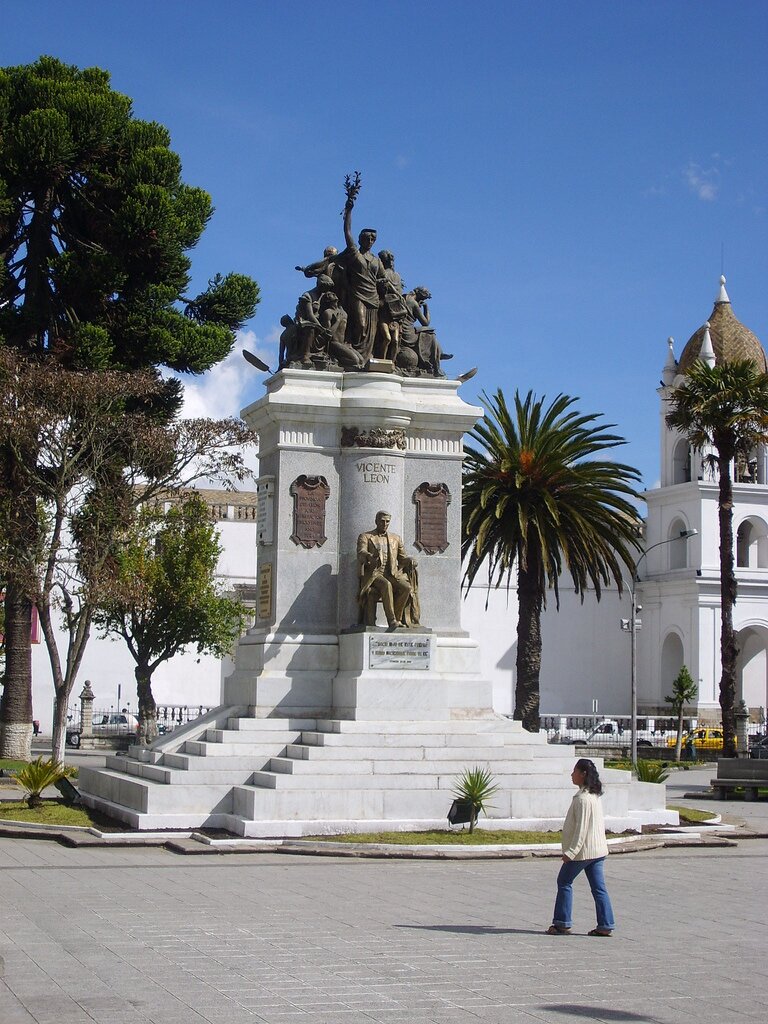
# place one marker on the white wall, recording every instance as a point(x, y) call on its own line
point(585, 654)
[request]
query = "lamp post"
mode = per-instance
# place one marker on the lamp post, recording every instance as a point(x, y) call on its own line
point(631, 627)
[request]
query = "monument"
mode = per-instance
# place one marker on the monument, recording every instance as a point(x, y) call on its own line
point(356, 697)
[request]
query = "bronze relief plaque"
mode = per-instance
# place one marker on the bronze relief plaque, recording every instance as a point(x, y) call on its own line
point(310, 494)
point(432, 501)
point(264, 596)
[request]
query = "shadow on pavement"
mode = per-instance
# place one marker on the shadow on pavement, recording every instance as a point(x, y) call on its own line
point(472, 929)
point(596, 1012)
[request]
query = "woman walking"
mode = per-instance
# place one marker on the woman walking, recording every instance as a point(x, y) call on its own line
point(584, 849)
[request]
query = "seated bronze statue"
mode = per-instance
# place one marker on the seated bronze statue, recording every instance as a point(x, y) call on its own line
point(388, 575)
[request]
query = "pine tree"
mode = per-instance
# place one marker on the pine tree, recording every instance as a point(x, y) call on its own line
point(684, 691)
point(95, 227)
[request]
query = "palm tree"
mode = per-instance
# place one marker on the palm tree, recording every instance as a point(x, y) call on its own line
point(723, 411)
point(536, 497)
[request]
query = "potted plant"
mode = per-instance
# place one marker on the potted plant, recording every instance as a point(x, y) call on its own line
point(473, 789)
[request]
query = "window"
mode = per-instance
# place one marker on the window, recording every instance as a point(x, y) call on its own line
point(681, 462)
point(752, 544)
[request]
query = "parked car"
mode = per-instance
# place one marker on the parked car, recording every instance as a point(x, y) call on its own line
point(760, 749)
point(704, 738)
point(113, 723)
point(610, 733)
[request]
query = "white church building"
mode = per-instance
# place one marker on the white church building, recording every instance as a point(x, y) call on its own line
point(586, 654)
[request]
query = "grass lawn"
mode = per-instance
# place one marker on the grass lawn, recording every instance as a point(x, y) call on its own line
point(452, 837)
point(449, 837)
point(8, 765)
point(692, 816)
point(57, 812)
point(626, 765)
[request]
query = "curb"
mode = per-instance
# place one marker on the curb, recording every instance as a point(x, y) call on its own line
point(195, 843)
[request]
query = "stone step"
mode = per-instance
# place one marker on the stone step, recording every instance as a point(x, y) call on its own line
point(411, 739)
point(214, 775)
point(252, 724)
point(283, 781)
point(353, 803)
point(149, 796)
point(235, 737)
point(283, 772)
point(499, 725)
point(470, 755)
point(205, 748)
point(214, 761)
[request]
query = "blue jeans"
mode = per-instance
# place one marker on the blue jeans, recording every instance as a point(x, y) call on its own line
point(593, 869)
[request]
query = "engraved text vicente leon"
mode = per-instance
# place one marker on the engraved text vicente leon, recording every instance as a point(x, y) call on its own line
point(376, 472)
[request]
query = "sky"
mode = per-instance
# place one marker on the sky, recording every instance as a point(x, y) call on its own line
point(568, 180)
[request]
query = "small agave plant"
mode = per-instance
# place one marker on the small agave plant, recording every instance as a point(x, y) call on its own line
point(475, 786)
point(38, 775)
point(651, 771)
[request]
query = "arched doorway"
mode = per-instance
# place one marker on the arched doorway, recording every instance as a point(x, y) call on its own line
point(752, 544)
point(677, 551)
point(681, 462)
point(752, 667)
point(672, 660)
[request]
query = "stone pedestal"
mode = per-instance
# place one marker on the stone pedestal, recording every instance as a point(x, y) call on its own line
point(335, 449)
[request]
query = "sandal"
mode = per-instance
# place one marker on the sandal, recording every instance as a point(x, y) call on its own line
point(603, 932)
point(557, 929)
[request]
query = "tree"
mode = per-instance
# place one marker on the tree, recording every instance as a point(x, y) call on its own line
point(535, 497)
point(165, 597)
point(723, 412)
point(684, 691)
point(96, 464)
point(95, 226)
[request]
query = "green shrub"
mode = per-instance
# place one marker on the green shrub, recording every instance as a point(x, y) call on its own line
point(38, 775)
point(474, 787)
point(651, 771)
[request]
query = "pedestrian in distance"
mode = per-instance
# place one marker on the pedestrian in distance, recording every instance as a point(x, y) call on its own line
point(584, 849)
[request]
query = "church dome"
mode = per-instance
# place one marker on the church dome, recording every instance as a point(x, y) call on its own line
point(731, 340)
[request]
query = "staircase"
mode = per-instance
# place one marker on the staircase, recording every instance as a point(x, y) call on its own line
point(260, 777)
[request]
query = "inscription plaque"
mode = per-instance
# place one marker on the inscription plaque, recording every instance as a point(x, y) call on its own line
point(432, 501)
point(310, 494)
point(397, 651)
point(265, 509)
point(264, 607)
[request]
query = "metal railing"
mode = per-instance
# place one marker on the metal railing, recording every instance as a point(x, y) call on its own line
point(601, 731)
point(112, 721)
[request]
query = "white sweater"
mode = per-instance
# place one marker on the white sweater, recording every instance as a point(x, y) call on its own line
point(584, 828)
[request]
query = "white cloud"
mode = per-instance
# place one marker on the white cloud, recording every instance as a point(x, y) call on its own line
point(233, 383)
point(704, 183)
point(230, 386)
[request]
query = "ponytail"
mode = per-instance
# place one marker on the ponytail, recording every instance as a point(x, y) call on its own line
point(592, 782)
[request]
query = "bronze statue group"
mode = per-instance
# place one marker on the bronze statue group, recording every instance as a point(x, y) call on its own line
point(358, 310)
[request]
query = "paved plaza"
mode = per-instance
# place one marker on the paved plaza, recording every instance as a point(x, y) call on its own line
point(130, 936)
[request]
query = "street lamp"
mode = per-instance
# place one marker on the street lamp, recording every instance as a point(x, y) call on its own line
point(631, 626)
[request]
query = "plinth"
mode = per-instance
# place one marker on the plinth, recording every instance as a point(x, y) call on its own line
point(334, 450)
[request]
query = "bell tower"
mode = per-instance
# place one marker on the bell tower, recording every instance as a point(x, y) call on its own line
point(680, 579)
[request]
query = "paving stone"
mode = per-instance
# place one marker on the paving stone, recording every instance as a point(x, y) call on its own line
point(137, 936)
